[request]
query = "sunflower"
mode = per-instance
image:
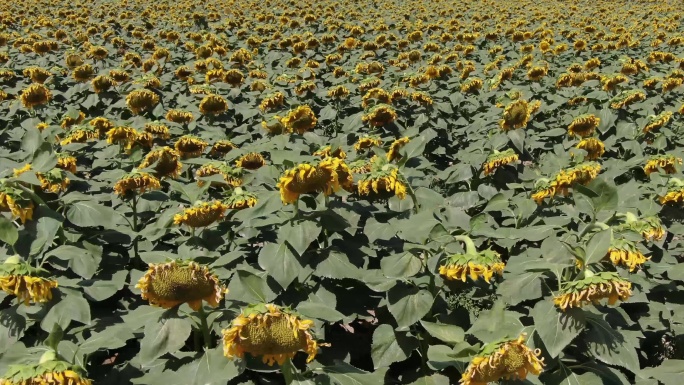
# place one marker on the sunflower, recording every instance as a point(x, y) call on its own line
point(83, 73)
point(16, 201)
point(66, 162)
point(591, 289)
point(582, 173)
point(650, 228)
point(102, 83)
point(309, 179)
point(157, 129)
point(233, 77)
point(422, 98)
point(627, 98)
point(367, 142)
point(666, 162)
point(37, 74)
point(72, 119)
point(240, 199)
point(170, 284)
point(609, 82)
point(375, 96)
point(593, 146)
point(136, 182)
point(328, 151)
point(251, 161)
point(272, 101)
point(73, 60)
point(201, 214)
point(122, 135)
point(473, 85)
point(498, 159)
point(503, 359)
point(380, 115)
point(178, 116)
point(80, 134)
point(625, 252)
point(271, 332)
point(536, 73)
point(583, 125)
point(656, 122)
point(393, 153)
point(53, 181)
point(165, 161)
point(516, 115)
point(473, 264)
point(48, 372)
point(98, 53)
point(120, 76)
point(231, 175)
point(338, 92)
point(382, 181)
point(141, 100)
point(25, 282)
point(544, 188)
point(213, 105)
point(670, 84)
point(300, 120)
point(35, 95)
point(221, 148)
point(190, 146)
point(675, 192)
point(274, 125)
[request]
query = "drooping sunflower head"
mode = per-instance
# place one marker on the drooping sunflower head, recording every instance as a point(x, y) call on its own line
point(16, 201)
point(367, 142)
point(472, 86)
point(251, 161)
point(270, 332)
point(675, 192)
point(380, 115)
point(213, 105)
point(136, 182)
point(221, 148)
point(80, 134)
point(309, 179)
point(609, 82)
point(231, 176)
point(53, 181)
point(650, 228)
point(591, 289)
point(72, 118)
point(375, 96)
point(593, 146)
point(272, 101)
point(627, 98)
point(338, 92)
point(503, 359)
point(164, 160)
point(66, 162)
point(625, 252)
point(180, 281)
point(582, 173)
point(122, 136)
point(583, 125)
point(381, 182)
point(102, 83)
point(515, 115)
point(240, 199)
point(300, 120)
point(27, 283)
point(498, 159)
point(47, 372)
point(656, 122)
point(83, 73)
point(190, 146)
point(35, 95)
point(328, 151)
point(274, 125)
point(665, 162)
point(158, 130)
point(483, 264)
point(178, 116)
point(393, 153)
point(141, 100)
point(201, 214)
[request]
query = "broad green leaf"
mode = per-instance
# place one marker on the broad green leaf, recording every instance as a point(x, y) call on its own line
point(669, 372)
point(320, 311)
point(71, 307)
point(556, 328)
point(299, 235)
point(90, 214)
point(8, 232)
point(598, 246)
point(408, 305)
point(609, 345)
point(450, 334)
point(343, 373)
point(165, 337)
point(389, 346)
point(280, 263)
point(401, 265)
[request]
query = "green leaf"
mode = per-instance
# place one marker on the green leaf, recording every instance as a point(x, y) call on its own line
point(343, 373)
point(44, 161)
point(112, 337)
point(82, 261)
point(336, 266)
point(401, 265)
point(90, 214)
point(556, 328)
point(320, 311)
point(45, 230)
point(435, 379)
point(300, 235)
point(280, 263)
point(250, 288)
point(168, 337)
point(669, 372)
point(293, 376)
point(8, 232)
point(212, 368)
point(609, 345)
point(598, 246)
point(72, 307)
point(447, 333)
point(408, 305)
point(389, 347)
point(518, 139)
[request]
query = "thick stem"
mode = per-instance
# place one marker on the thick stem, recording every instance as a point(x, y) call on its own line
point(205, 328)
point(469, 244)
point(135, 226)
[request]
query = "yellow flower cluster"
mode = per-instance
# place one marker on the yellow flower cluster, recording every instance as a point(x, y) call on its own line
point(508, 359)
point(591, 289)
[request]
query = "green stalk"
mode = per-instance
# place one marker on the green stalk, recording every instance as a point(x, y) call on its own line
point(135, 226)
point(469, 244)
point(205, 328)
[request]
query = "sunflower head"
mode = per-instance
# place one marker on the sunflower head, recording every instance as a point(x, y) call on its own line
point(231, 176)
point(625, 252)
point(382, 181)
point(16, 201)
point(35, 95)
point(83, 73)
point(176, 282)
point(221, 148)
point(53, 181)
point(503, 359)
point(591, 289)
point(626, 98)
point(300, 120)
point(141, 100)
point(328, 151)
point(655, 122)
point(483, 264)
point(251, 161)
point(274, 125)
point(47, 372)
point(593, 146)
point(158, 130)
point(201, 214)
point(515, 115)
point(272, 101)
point(380, 115)
point(136, 182)
point(366, 142)
point(310, 178)
point(584, 125)
point(240, 199)
point(190, 146)
point(675, 192)
point(178, 116)
point(164, 160)
point(393, 153)
point(66, 162)
point(213, 105)
point(28, 284)
point(498, 159)
point(271, 332)
point(665, 162)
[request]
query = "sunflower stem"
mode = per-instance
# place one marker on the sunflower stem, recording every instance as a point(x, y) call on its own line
point(205, 328)
point(469, 244)
point(134, 207)
point(296, 209)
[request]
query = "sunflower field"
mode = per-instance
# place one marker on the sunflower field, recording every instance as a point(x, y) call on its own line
point(341, 192)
